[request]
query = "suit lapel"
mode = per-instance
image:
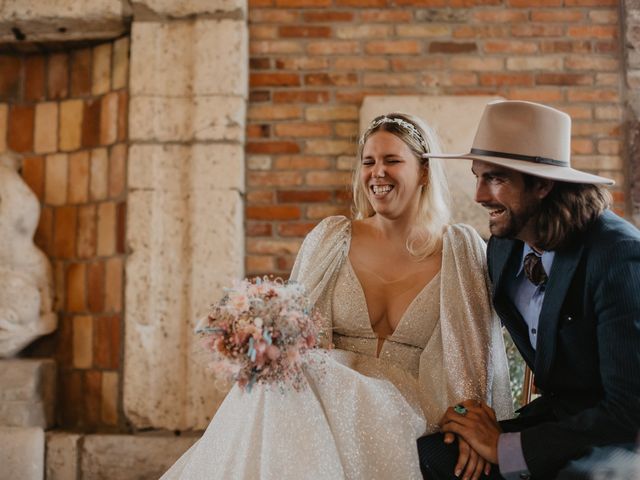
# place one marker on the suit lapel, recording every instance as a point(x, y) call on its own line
point(505, 265)
point(562, 271)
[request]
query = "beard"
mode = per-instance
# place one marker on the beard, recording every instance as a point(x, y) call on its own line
point(511, 223)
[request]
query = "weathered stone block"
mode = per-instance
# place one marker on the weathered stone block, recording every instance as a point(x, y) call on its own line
point(22, 453)
point(27, 393)
point(455, 120)
point(186, 7)
point(184, 58)
point(186, 239)
point(200, 118)
point(128, 457)
point(62, 456)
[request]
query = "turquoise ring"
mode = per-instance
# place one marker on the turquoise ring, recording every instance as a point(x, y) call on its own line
point(460, 410)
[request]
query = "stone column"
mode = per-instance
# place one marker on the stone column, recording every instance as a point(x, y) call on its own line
point(630, 19)
point(185, 237)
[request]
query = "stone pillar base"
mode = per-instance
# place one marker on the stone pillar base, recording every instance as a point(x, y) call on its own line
point(22, 453)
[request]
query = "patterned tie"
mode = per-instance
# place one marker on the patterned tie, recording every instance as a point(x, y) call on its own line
point(534, 270)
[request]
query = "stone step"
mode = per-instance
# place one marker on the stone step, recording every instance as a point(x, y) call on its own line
point(21, 453)
point(72, 456)
point(27, 392)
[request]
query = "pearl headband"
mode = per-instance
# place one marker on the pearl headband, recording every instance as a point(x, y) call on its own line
point(409, 127)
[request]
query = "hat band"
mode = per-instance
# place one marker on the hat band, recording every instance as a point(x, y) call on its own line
point(516, 156)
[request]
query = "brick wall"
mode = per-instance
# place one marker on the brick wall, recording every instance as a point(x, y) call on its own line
point(313, 61)
point(65, 114)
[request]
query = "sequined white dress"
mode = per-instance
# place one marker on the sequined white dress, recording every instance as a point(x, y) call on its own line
point(360, 416)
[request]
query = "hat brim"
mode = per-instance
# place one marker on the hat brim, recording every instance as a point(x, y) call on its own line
point(551, 172)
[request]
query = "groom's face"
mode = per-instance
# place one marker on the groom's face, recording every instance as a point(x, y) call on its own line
point(511, 203)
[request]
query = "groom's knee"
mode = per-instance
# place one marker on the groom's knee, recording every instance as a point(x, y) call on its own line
point(437, 459)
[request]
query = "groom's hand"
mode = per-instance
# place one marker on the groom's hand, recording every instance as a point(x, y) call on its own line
point(470, 465)
point(478, 427)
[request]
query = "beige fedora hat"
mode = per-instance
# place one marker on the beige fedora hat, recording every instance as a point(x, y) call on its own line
point(526, 137)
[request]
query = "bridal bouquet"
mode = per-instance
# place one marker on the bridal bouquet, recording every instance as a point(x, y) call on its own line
point(258, 333)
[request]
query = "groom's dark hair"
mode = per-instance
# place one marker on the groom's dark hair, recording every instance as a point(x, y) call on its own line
point(566, 211)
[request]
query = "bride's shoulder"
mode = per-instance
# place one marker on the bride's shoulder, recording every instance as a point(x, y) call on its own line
point(462, 236)
point(331, 225)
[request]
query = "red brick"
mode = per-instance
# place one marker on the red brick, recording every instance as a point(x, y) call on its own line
point(295, 229)
point(354, 97)
point(95, 286)
point(362, 3)
point(258, 131)
point(303, 3)
point(76, 283)
point(33, 174)
point(318, 212)
point(591, 3)
point(91, 123)
point(452, 47)
point(359, 63)
point(123, 115)
point(329, 17)
point(58, 76)
point(336, 79)
point(87, 233)
point(263, 32)
point(34, 78)
point(504, 79)
point(92, 400)
point(273, 15)
point(589, 95)
point(21, 128)
point(260, 3)
point(344, 196)
point(482, 31)
point(535, 3)
point(285, 264)
point(509, 46)
point(266, 47)
point(306, 129)
point(307, 96)
point(272, 147)
point(581, 146)
point(423, 3)
point(328, 178)
point(563, 79)
point(260, 196)
point(420, 63)
point(71, 397)
point(304, 32)
point(390, 79)
point(606, 47)
point(275, 212)
point(565, 46)
point(500, 16)
point(259, 63)
point(273, 179)
point(473, 3)
point(537, 30)
point(583, 62)
point(121, 227)
point(258, 229)
point(107, 342)
point(274, 112)
point(65, 219)
point(10, 79)
point(536, 95)
point(302, 63)
point(259, 264)
point(593, 31)
point(595, 128)
point(564, 15)
point(336, 47)
point(81, 72)
point(272, 246)
point(301, 162)
point(259, 96)
point(303, 196)
point(274, 79)
point(386, 16)
point(393, 47)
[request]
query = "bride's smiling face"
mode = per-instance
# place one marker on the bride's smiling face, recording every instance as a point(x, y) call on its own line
point(391, 175)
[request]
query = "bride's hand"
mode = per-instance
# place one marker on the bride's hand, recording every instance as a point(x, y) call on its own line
point(468, 460)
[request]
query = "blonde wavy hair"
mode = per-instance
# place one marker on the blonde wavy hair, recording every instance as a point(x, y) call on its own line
point(433, 207)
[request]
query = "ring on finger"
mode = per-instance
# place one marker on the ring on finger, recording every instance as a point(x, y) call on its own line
point(460, 409)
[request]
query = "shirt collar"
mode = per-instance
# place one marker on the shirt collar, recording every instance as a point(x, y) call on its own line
point(547, 259)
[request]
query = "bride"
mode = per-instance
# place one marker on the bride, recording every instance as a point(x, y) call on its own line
point(407, 308)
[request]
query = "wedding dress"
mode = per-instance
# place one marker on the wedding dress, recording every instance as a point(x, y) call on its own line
point(360, 414)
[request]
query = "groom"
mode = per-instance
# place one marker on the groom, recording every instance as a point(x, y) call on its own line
point(566, 284)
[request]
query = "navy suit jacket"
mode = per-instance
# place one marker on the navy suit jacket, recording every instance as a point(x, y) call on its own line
point(587, 357)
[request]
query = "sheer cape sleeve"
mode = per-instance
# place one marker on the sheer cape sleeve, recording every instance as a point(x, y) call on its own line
point(465, 357)
point(320, 258)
